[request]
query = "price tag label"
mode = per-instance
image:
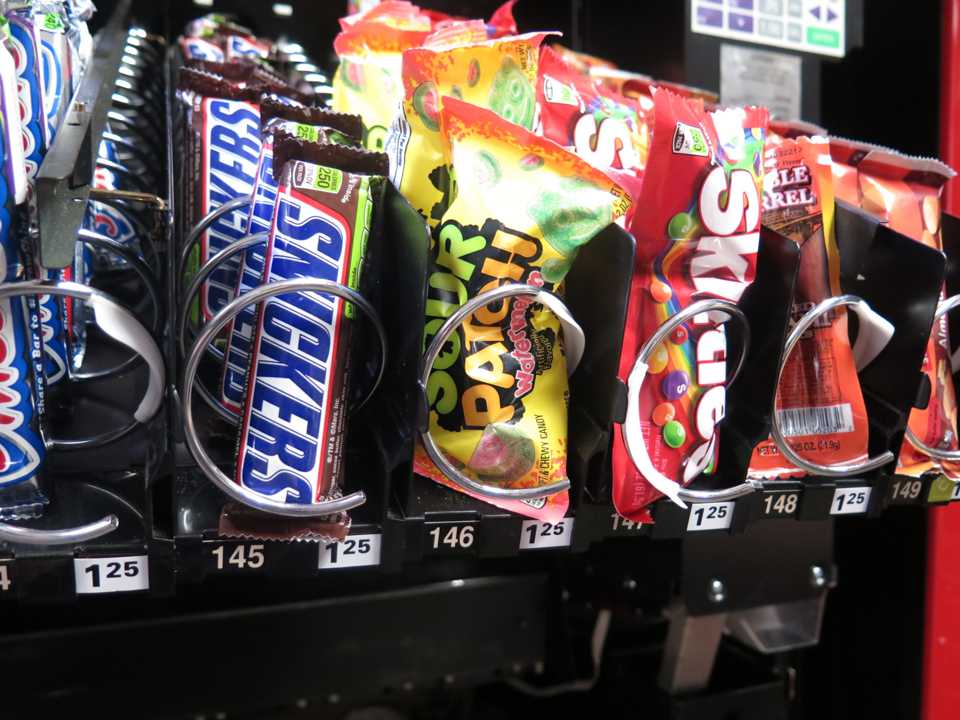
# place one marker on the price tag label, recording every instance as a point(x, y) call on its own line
point(237, 557)
point(111, 574)
point(450, 538)
point(850, 501)
point(779, 505)
point(351, 552)
point(905, 492)
point(710, 516)
point(621, 526)
point(536, 535)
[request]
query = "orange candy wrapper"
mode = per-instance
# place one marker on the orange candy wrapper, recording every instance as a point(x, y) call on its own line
point(498, 391)
point(819, 402)
point(905, 193)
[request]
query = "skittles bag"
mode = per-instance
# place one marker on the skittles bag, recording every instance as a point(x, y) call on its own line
point(606, 129)
point(697, 225)
point(819, 404)
point(496, 74)
point(497, 394)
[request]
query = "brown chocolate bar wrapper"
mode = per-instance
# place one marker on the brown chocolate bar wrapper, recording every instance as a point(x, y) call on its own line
point(286, 147)
point(240, 521)
point(237, 71)
point(272, 107)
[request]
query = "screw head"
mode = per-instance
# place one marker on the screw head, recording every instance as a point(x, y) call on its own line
point(818, 578)
point(717, 592)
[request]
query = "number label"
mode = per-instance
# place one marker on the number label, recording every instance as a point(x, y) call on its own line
point(710, 516)
point(622, 525)
point(850, 501)
point(238, 556)
point(353, 551)
point(955, 495)
point(6, 577)
point(111, 574)
point(780, 505)
point(535, 535)
point(905, 491)
point(445, 538)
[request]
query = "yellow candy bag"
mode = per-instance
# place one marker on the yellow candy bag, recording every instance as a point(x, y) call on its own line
point(498, 391)
point(499, 74)
point(370, 46)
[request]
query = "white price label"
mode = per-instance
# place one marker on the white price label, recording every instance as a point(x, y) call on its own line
point(536, 534)
point(710, 516)
point(111, 574)
point(353, 551)
point(850, 501)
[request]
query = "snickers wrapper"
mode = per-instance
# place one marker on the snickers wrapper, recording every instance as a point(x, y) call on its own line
point(299, 122)
point(292, 434)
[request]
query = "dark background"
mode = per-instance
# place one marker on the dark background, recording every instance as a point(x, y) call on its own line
point(883, 92)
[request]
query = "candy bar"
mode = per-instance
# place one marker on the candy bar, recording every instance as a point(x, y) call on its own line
point(293, 427)
point(312, 124)
point(819, 403)
point(224, 125)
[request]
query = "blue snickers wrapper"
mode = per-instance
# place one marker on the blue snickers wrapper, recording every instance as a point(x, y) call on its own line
point(312, 124)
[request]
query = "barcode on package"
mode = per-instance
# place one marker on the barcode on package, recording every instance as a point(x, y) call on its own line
point(816, 420)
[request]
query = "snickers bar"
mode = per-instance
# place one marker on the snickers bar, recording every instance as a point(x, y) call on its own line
point(311, 124)
point(293, 426)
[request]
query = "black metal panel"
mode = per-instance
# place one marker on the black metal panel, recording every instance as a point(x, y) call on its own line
point(356, 648)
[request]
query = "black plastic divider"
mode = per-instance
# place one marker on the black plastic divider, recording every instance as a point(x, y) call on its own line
point(597, 292)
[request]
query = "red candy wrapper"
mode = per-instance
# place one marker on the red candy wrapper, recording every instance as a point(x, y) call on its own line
point(905, 193)
point(606, 129)
point(697, 232)
point(819, 403)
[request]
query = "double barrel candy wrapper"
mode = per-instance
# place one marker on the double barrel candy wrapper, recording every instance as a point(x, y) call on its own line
point(697, 231)
point(498, 392)
point(819, 403)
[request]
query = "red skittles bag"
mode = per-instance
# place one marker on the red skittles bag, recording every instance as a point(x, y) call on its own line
point(607, 130)
point(697, 226)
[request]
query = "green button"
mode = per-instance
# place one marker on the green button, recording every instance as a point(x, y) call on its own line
point(825, 38)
